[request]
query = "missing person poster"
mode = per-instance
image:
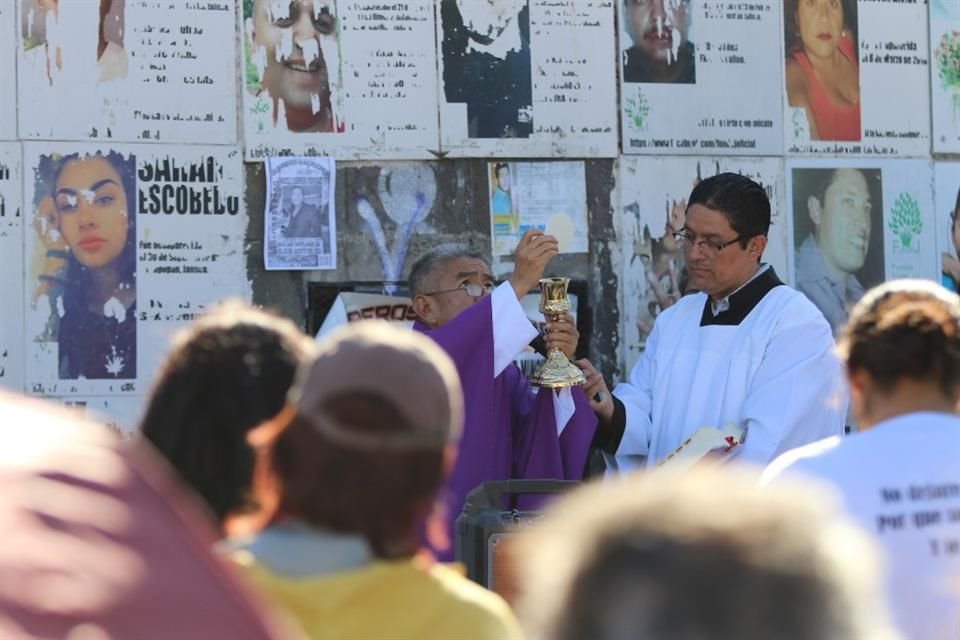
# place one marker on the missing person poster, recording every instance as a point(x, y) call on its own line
point(11, 269)
point(698, 77)
point(353, 79)
point(653, 196)
point(841, 62)
point(529, 78)
point(946, 182)
point(8, 73)
point(945, 75)
point(857, 223)
point(124, 244)
point(127, 70)
point(549, 196)
point(300, 221)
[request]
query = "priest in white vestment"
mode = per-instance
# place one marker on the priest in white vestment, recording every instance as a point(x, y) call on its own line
point(745, 352)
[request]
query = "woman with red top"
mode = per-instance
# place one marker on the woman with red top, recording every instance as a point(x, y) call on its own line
point(822, 68)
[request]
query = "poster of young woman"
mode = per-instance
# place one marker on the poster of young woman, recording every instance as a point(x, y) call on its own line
point(945, 75)
point(653, 200)
point(527, 78)
point(8, 74)
point(127, 71)
point(11, 268)
point(686, 67)
point(341, 78)
point(856, 223)
point(125, 243)
point(946, 183)
point(841, 59)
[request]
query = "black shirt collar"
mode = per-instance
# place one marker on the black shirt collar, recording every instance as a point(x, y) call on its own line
point(742, 302)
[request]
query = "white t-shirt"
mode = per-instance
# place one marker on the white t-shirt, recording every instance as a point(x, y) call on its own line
point(900, 480)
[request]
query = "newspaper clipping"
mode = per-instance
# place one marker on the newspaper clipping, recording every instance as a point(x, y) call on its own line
point(127, 70)
point(550, 196)
point(301, 226)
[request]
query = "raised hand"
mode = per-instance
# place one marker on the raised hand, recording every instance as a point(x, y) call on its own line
point(533, 253)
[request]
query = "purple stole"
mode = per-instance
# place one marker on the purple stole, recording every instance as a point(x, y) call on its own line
point(508, 431)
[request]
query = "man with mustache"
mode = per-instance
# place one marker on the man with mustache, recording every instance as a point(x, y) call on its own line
point(746, 351)
point(661, 51)
point(294, 47)
point(839, 207)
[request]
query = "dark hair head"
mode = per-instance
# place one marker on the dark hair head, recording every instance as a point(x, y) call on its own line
point(905, 329)
point(743, 202)
point(791, 31)
point(380, 493)
point(78, 276)
point(658, 556)
point(225, 374)
point(426, 266)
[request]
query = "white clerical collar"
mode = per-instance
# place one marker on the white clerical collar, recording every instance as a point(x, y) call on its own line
point(721, 305)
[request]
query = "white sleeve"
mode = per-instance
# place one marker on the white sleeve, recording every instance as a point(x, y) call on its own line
point(798, 395)
point(512, 330)
point(636, 394)
point(563, 408)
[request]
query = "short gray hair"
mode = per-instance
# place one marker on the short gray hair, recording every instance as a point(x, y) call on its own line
point(427, 264)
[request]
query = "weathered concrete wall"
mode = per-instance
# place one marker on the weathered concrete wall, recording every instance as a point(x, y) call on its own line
point(457, 195)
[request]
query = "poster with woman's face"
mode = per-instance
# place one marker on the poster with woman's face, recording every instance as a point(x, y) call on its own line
point(330, 78)
point(11, 265)
point(685, 67)
point(123, 244)
point(526, 78)
point(653, 197)
point(129, 71)
point(946, 183)
point(841, 57)
point(855, 224)
point(8, 73)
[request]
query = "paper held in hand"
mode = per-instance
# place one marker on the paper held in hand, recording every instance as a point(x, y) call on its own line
point(703, 441)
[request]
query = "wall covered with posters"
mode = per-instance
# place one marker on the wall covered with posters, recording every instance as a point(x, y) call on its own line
point(135, 187)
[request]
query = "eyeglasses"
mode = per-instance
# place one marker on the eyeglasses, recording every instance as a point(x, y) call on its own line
point(473, 290)
point(707, 246)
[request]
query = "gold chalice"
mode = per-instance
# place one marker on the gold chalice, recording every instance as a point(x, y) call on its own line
point(557, 372)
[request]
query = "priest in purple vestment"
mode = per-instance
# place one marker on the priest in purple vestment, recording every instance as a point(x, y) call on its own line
point(510, 429)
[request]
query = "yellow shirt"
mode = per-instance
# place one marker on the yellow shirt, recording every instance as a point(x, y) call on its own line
point(400, 599)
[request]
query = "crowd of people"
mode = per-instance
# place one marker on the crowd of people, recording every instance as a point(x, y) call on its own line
point(281, 487)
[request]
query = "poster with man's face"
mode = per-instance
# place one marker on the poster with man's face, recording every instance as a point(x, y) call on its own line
point(129, 71)
point(526, 78)
point(856, 224)
point(685, 67)
point(331, 78)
